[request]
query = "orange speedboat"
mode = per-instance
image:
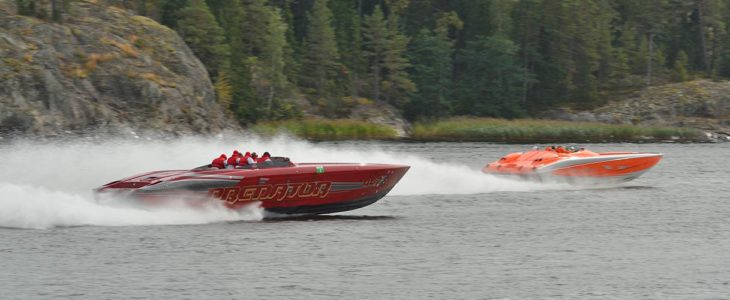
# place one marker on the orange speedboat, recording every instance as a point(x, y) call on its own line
point(574, 165)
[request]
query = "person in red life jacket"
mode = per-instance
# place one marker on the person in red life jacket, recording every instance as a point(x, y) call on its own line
point(234, 159)
point(243, 160)
point(264, 159)
point(219, 162)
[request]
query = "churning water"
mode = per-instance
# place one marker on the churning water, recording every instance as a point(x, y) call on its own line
point(445, 231)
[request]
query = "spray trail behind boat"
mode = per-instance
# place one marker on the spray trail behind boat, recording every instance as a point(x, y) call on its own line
point(46, 184)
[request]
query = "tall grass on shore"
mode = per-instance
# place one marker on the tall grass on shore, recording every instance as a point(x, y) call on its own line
point(320, 130)
point(529, 130)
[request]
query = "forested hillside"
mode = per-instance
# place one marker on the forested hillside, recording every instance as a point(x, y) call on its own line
point(272, 59)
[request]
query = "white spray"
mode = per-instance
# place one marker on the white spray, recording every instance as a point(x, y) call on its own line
point(44, 185)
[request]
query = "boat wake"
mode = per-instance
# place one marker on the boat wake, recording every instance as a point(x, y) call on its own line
point(39, 208)
point(48, 184)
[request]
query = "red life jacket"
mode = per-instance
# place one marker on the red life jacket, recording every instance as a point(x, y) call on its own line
point(233, 160)
point(263, 159)
point(244, 160)
point(219, 162)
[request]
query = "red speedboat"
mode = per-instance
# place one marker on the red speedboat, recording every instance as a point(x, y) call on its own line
point(280, 187)
point(574, 165)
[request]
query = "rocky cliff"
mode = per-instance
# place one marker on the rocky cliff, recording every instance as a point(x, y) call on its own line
point(101, 69)
point(701, 104)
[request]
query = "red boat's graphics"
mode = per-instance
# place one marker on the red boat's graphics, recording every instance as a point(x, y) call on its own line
point(279, 192)
point(283, 188)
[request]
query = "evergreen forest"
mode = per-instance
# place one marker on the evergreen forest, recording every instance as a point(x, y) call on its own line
point(432, 59)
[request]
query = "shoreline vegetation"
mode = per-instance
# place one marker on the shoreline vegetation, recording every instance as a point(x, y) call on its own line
point(480, 130)
point(326, 129)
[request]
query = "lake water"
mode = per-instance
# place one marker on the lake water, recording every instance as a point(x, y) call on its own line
point(446, 232)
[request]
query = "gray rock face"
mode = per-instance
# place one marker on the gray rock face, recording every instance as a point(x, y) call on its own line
point(102, 69)
point(701, 104)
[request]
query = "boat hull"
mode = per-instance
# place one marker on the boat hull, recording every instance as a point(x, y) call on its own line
point(298, 189)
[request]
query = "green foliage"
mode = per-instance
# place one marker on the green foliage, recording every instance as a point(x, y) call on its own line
point(274, 79)
point(321, 59)
point(39, 9)
point(396, 81)
point(680, 68)
point(25, 7)
point(223, 90)
point(199, 29)
point(436, 58)
point(432, 72)
point(528, 130)
point(347, 24)
point(317, 129)
point(385, 49)
point(169, 11)
point(375, 43)
point(492, 80)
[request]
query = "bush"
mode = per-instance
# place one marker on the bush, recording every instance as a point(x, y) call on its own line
point(529, 130)
point(317, 129)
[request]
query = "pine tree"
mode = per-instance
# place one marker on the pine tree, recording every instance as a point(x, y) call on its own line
point(432, 73)
point(432, 69)
point(385, 47)
point(492, 81)
point(169, 11)
point(375, 44)
point(396, 84)
point(585, 52)
point(321, 59)
point(679, 73)
point(229, 14)
point(254, 25)
point(272, 57)
point(527, 22)
point(198, 28)
point(347, 24)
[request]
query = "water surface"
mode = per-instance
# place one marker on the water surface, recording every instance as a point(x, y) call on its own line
point(447, 232)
